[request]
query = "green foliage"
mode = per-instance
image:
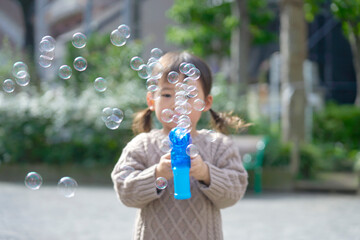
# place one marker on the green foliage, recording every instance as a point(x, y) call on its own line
point(336, 144)
point(62, 124)
point(312, 8)
point(348, 12)
point(338, 123)
point(205, 29)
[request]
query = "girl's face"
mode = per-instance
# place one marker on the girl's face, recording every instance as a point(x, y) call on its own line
point(164, 98)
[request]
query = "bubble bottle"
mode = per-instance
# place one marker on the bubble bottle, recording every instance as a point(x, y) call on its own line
point(180, 162)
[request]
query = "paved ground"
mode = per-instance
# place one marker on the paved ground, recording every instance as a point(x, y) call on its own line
point(95, 213)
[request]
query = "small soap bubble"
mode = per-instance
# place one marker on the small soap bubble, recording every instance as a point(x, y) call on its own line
point(144, 71)
point(8, 86)
point(47, 44)
point(113, 120)
point(161, 183)
point(67, 187)
point(124, 30)
point(180, 100)
point(156, 53)
point(136, 62)
point(184, 123)
point(65, 72)
point(151, 60)
point(152, 84)
point(33, 180)
point(166, 145)
point(19, 67)
point(247, 158)
point(199, 104)
point(80, 64)
point(192, 150)
point(23, 79)
point(106, 112)
point(167, 115)
point(183, 109)
point(155, 69)
point(117, 38)
point(118, 113)
point(52, 42)
point(173, 77)
point(100, 84)
point(45, 61)
point(125, 171)
point(79, 40)
point(187, 68)
point(212, 135)
point(194, 73)
point(193, 93)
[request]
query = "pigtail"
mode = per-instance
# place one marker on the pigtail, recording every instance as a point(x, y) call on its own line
point(142, 121)
point(221, 122)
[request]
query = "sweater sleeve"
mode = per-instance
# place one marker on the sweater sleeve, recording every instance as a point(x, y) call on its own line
point(228, 178)
point(135, 187)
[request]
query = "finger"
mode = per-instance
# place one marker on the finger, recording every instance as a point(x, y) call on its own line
point(167, 156)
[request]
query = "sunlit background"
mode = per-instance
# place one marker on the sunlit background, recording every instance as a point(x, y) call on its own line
point(291, 68)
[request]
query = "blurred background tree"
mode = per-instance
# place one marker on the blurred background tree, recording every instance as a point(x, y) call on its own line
point(225, 30)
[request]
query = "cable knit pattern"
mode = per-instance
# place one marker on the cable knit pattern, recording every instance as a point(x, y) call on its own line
point(160, 215)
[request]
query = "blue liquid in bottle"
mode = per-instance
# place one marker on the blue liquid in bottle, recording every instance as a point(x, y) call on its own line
point(180, 162)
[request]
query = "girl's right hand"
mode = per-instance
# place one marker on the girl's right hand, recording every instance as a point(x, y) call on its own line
point(163, 169)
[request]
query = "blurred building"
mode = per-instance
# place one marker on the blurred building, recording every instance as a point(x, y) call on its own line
point(147, 19)
point(12, 24)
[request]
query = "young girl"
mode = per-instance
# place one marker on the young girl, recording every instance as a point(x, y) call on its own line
point(217, 176)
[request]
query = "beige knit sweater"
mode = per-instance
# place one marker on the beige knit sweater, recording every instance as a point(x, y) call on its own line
point(161, 216)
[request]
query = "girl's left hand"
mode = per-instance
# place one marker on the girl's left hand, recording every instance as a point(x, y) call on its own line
point(200, 170)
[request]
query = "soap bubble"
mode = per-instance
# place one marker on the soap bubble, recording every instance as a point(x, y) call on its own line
point(47, 44)
point(192, 92)
point(19, 67)
point(24, 79)
point(199, 105)
point(33, 180)
point(183, 109)
point(212, 135)
point(136, 62)
point(152, 84)
point(194, 73)
point(112, 117)
point(156, 53)
point(185, 67)
point(124, 30)
point(166, 145)
point(155, 69)
point(184, 122)
point(65, 72)
point(144, 71)
point(9, 86)
point(106, 112)
point(79, 40)
point(192, 150)
point(67, 187)
point(161, 183)
point(80, 64)
point(180, 100)
point(167, 115)
point(45, 61)
point(173, 77)
point(125, 171)
point(100, 84)
point(117, 38)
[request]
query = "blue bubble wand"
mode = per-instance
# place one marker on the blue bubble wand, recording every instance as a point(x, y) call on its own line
point(180, 162)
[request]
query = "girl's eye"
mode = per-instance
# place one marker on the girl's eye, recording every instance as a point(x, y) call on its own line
point(167, 95)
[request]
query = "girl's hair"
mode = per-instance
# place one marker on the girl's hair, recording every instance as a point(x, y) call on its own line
point(171, 62)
